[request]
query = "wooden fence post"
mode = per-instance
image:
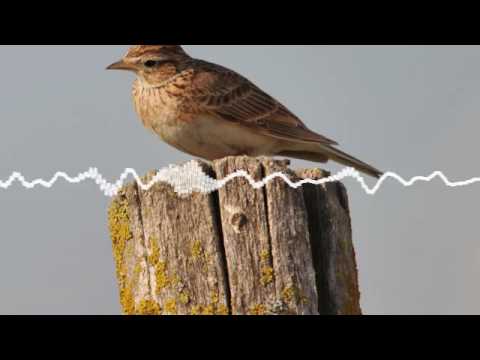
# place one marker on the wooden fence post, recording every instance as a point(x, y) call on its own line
point(239, 251)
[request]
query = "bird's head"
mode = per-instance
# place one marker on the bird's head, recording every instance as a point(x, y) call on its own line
point(152, 64)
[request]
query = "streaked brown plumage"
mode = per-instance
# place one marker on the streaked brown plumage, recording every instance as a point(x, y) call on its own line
point(212, 112)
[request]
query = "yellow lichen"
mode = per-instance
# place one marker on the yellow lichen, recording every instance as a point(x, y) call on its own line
point(171, 307)
point(162, 277)
point(267, 275)
point(212, 309)
point(257, 310)
point(265, 256)
point(175, 280)
point(267, 271)
point(161, 274)
point(289, 294)
point(148, 307)
point(154, 257)
point(209, 258)
point(137, 271)
point(201, 257)
point(222, 310)
point(127, 301)
point(119, 226)
point(196, 310)
point(184, 298)
point(209, 310)
point(197, 250)
point(215, 298)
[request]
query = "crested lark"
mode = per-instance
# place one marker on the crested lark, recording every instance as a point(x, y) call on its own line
point(212, 112)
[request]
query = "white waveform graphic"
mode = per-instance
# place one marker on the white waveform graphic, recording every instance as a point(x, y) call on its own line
point(190, 178)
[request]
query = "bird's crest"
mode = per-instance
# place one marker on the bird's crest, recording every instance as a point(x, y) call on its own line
point(142, 50)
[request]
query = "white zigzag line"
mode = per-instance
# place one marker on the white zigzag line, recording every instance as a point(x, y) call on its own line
point(191, 178)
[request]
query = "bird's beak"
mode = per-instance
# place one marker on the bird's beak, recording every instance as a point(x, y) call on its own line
point(122, 65)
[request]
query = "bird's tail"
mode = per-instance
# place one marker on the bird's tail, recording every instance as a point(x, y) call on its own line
point(348, 160)
point(326, 153)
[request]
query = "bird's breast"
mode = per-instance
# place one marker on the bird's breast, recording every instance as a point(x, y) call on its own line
point(165, 113)
point(155, 106)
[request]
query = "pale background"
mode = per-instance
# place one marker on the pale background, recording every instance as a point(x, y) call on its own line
point(411, 110)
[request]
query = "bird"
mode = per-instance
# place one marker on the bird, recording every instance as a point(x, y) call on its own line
point(211, 112)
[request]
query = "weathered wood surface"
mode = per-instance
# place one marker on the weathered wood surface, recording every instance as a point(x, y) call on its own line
point(275, 250)
point(331, 240)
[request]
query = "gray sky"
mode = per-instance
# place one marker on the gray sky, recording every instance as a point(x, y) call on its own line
point(407, 109)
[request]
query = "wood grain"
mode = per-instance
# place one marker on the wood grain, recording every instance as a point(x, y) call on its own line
point(241, 251)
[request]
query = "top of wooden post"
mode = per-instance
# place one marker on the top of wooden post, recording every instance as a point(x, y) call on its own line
point(275, 250)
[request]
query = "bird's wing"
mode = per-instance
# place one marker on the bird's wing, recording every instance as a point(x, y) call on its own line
point(229, 96)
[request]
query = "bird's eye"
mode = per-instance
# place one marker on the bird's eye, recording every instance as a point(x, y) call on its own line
point(151, 63)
